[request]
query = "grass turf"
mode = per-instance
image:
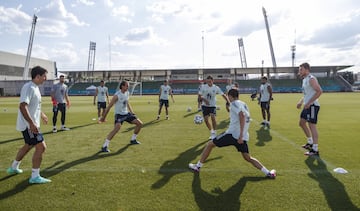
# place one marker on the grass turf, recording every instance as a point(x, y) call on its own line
point(154, 175)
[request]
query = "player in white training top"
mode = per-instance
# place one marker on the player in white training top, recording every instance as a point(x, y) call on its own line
point(102, 95)
point(311, 107)
point(165, 91)
point(123, 112)
point(207, 94)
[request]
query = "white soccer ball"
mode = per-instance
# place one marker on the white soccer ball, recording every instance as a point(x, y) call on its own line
point(188, 109)
point(198, 119)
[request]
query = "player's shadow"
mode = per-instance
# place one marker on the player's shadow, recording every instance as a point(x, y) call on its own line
point(334, 191)
point(223, 124)
point(219, 199)
point(262, 135)
point(56, 169)
point(178, 165)
point(192, 113)
point(152, 122)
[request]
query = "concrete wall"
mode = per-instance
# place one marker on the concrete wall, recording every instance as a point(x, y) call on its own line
point(12, 66)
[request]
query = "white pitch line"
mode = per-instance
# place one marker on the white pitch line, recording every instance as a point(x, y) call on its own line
point(292, 143)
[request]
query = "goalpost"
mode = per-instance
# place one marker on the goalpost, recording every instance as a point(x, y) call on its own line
point(132, 87)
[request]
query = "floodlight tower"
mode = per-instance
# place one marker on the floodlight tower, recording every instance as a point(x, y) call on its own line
point(242, 53)
point(91, 59)
point(28, 55)
point(270, 42)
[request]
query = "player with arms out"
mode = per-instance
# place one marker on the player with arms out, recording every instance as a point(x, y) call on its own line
point(123, 112)
point(311, 107)
point(165, 91)
point(207, 94)
point(28, 122)
point(102, 95)
point(236, 135)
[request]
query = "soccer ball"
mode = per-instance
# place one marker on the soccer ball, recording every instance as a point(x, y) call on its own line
point(198, 119)
point(188, 109)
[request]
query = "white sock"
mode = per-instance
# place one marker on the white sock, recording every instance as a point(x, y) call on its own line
point(106, 143)
point(265, 170)
point(310, 140)
point(15, 164)
point(62, 126)
point(133, 137)
point(199, 164)
point(315, 147)
point(35, 173)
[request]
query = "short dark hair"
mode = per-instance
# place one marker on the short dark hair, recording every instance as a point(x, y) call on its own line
point(233, 93)
point(264, 77)
point(210, 77)
point(305, 65)
point(37, 70)
point(123, 83)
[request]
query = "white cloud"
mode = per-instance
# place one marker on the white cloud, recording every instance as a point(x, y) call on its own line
point(14, 21)
point(140, 36)
point(123, 13)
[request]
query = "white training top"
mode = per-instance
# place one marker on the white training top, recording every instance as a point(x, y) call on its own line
point(210, 92)
point(165, 91)
point(308, 90)
point(30, 94)
point(59, 90)
point(121, 104)
point(102, 91)
point(265, 94)
point(236, 107)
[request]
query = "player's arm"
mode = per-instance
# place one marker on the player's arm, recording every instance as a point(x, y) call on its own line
point(227, 105)
point(67, 99)
point(318, 91)
point(107, 96)
point(242, 125)
point(96, 93)
point(130, 108)
point(44, 117)
point(269, 88)
point(112, 102)
point(172, 96)
point(298, 105)
point(24, 109)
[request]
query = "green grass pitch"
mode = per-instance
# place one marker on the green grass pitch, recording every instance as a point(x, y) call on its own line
point(154, 175)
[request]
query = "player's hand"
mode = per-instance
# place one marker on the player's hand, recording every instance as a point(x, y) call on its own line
point(240, 140)
point(298, 106)
point(101, 120)
point(44, 118)
point(68, 104)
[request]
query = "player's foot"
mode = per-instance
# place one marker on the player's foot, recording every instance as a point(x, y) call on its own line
point(54, 130)
point(312, 153)
point(271, 174)
point(307, 146)
point(194, 167)
point(167, 118)
point(158, 117)
point(134, 142)
point(39, 180)
point(10, 170)
point(263, 123)
point(65, 128)
point(104, 149)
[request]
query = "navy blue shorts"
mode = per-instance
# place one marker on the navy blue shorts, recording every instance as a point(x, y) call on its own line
point(224, 140)
point(265, 105)
point(59, 107)
point(31, 138)
point(101, 105)
point(164, 102)
point(310, 114)
point(206, 110)
point(129, 117)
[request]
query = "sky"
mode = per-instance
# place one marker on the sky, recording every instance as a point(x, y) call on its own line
point(160, 34)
